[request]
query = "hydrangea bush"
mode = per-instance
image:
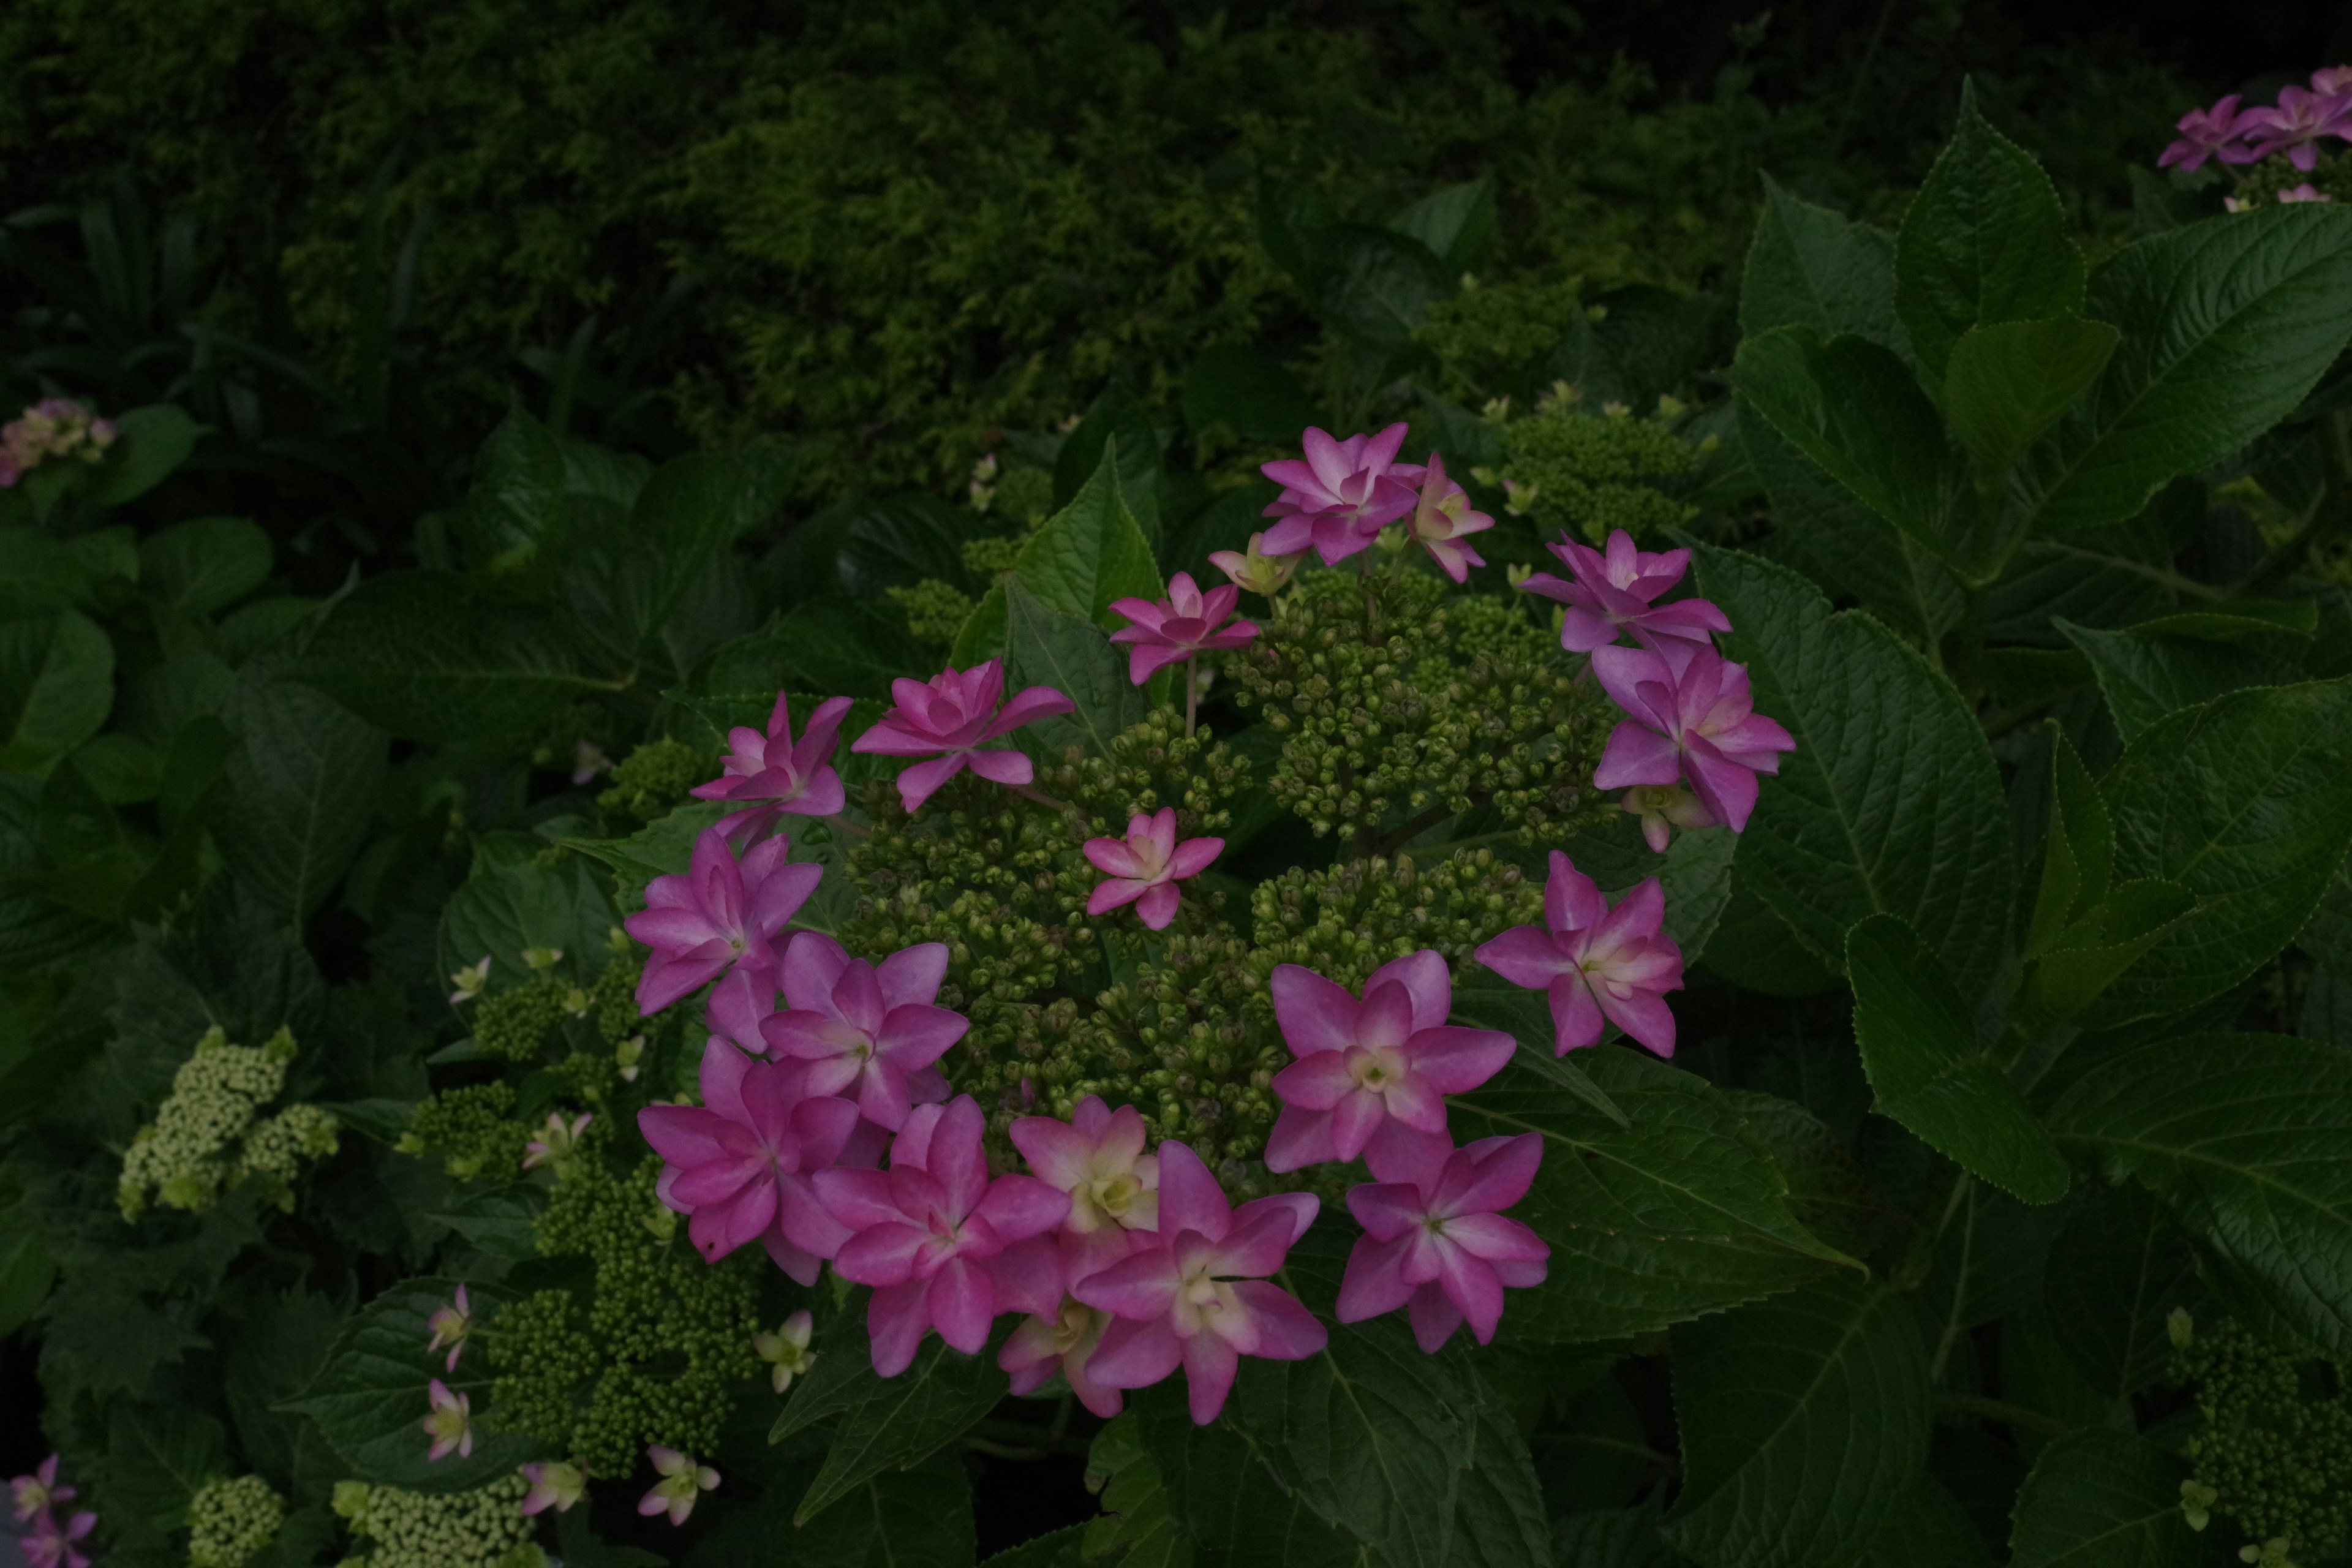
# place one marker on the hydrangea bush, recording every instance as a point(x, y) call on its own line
point(1758, 978)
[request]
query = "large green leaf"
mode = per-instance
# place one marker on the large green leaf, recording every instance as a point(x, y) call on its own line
point(2145, 673)
point(1857, 412)
point(916, 1518)
point(2226, 325)
point(152, 441)
point(2250, 1137)
point(157, 1458)
point(2120, 1264)
point(277, 1349)
point(2103, 1498)
point(1928, 1072)
point(1119, 426)
point(1678, 1214)
point(886, 1424)
point(510, 902)
point(1044, 646)
point(57, 687)
point(369, 1400)
point(1614, 1538)
point(431, 657)
point(518, 512)
point(1222, 1498)
point(2009, 382)
point(2247, 802)
point(300, 790)
point(1804, 1426)
point(1090, 552)
point(1248, 391)
point(205, 565)
point(1891, 802)
point(1984, 241)
point(1809, 267)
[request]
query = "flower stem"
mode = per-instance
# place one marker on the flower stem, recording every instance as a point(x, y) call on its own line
point(1191, 692)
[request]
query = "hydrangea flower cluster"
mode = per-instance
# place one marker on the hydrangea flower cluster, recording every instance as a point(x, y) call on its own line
point(475, 1528)
point(210, 1135)
point(46, 1540)
point(829, 1128)
point(2278, 151)
point(53, 429)
point(232, 1521)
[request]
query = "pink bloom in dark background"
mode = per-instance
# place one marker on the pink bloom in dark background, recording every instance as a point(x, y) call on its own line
point(1185, 623)
point(1594, 961)
point(951, 714)
point(1144, 868)
point(718, 913)
point(870, 1032)
point(1339, 497)
point(777, 773)
point(1696, 724)
point(1436, 1243)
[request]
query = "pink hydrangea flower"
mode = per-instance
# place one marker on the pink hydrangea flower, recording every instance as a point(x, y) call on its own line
point(1435, 1241)
point(950, 715)
point(1255, 570)
point(784, 776)
point(2206, 132)
point(552, 1485)
point(1098, 1158)
point(49, 1544)
point(1144, 868)
point(1371, 1075)
point(1339, 497)
point(923, 1232)
point(1609, 595)
point(1443, 518)
point(2297, 124)
point(715, 915)
point(451, 1424)
point(1185, 624)
point(738, 1165)
point(2306, 192)
point(1696, 724)
point(41, 1490)
point(1061, 1332)
point(1662, 808)
point(1200, 1299)
point(450, 1325)
point(682, 1482)
point(1594, 961)
point(868, 1033)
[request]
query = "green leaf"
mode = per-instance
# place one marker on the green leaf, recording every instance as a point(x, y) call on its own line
point(1137, 1519)
point(2246, 800)
point(1090, 552)
point(918, 1517)
point(1930, 1530)
point(431, 657)
point(2119, 1264)
point(2086, 958)
point(1810, 267)
point(1484, 1001)
point(1926, 1071)
point(1374, 286)
point(300, 790)
point(983, 634)
point(1249, 391)
point(1064, 1547)
point(1227, 1508)
point(886, 1424)
point(1891, 802)
point(369, 1400)
point(2080, 855)
point(1043, 647)
point(2246, 1137)
point(206, 564)
point(1857, 412)
point(151, 443)
point(57, 687)
point(518, 512)
point(1650, 1225)
point(1617, 1538)
point(276, 1351)
point(2147, 674)
point(1456, 224)
point(26, 1269)
point(156, 1458)
point(832, 646)
point(2102, 1498)
point(2227, 324)
point(510, 902)
point(1984, 241)
point(1116, 425)
point(1804, 1426)
point(2008, 383)
point(662, 847)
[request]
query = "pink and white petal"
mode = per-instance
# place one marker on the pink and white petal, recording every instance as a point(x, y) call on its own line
point(883, 1096)
point(719, 1229)
point(1636, 754)
point(1141, 1286)
point(685, 1135)
point(799, 1264)
point(1300, 1138)
point(1287, 1331)
point(882, 1254)
point(1017, 1208)
point(1114, 857)
point(672, 930)
point(1354, 1119)
point(823, 795)
point(1300, 1208)
point(1372, 1284)
point(1395, 1151)
point(1004, 767)
point(733, 1013)
point(1624, 671)
point(912, 974)
point(1135, 1353)
point(919, 783)
point(1058, 1153)
point(962, 1303)
point(1454, 1060)
point(1496, 1238)
point(1728, 789)
point(821, 1126)
point(716, 1182)
point(1030, 1277)
point(1189, 1197)
point(1078, 1369)
point(856, 1199)
point(1148, 659)
point(1117, 893)
point(1571, 901)
point(917, 1034)
point(955, 1159)
point(781, 894)
point(1387, 1210)
point(1316, 1082)
point(1575, 1016)
point(1036, 702)
point(1433, 1316)
point(1641, 913)
point(1254, 1249)
point(1193, 856)
point(806, 1222)
point(1315, 1014)
point(895, 1321)
point(1525, 955)
point(1413, 1101)
point(1158, 906)
point(1471, 1284)
point(811, 968)
point(671, 979)
point(1490, 1175)
point(1642, 1015)
point(1427, 983)
point(1208, 1366)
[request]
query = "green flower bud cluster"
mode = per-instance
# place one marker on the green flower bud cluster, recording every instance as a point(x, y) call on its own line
point(2275, 1446)
point(485, 1528)
point(230, 1520)
point(656, 1352)
point(525, 1023)
point(1152, 763)
point(2259, 183)
point(1495, 334)
point(1020, 495)
point(474, 1127)
point(517, 1023)
point(1343, 921)
point(210, 1136)
point(1592, 475)
point(652, 781)
point(1385, 734)
point(935, 611)
point(1498, 626)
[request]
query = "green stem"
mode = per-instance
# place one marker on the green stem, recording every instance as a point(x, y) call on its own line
point(1191, 692)
point(2012, 1416)
point(1648, 1455)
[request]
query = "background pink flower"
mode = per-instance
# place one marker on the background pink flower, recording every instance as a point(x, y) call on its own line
point(1185, 623)
point(1339, 497)
point(785, 777)
point(951, 714)
point(1371, 1075)
point(1144, 868)
point(717, 914)
point(1697, 724)
point(1061, 1332)
point(1609, 595)
point(1098, 1158)
point(1442, 518)
point(1594, 961)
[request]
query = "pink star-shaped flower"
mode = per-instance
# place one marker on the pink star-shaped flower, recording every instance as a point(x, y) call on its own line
point(1436, 1240)
point(1609, 595)
point(1594, 961)
point(1443, 518)
point(782, 775)
point(1144, 868)
point(951, 715)
point(1339, 497)
point(868, 1033)
point(1184, 624)
point(1697, 724)
point(717, 914)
